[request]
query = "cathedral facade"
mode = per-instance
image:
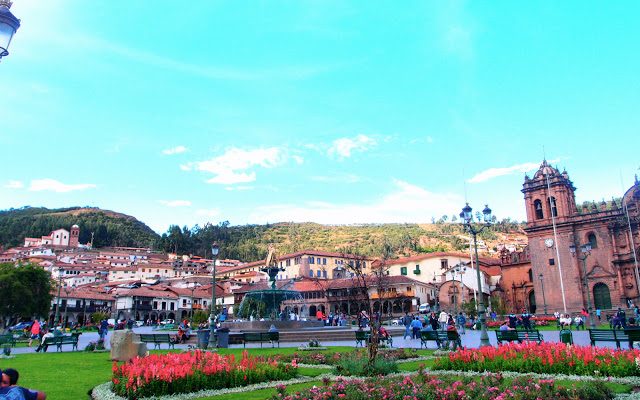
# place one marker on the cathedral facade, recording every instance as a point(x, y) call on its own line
point(584, 254)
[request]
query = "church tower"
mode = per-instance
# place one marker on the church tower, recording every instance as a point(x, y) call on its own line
point(548, 194)
point(75, 235)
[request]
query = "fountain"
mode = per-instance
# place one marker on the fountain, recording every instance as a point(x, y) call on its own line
point(265, 305)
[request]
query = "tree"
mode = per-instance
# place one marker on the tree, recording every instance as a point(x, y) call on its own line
point(25, 291)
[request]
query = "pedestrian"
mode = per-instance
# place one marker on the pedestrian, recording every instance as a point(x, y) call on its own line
point(10, 379)
point(599, 314)
point(513, 321)
point(442, 319)
point(526, 320)
point(406, 321)
point(416, 326)
point(622, 318)
point(35, 331)
point(579, 322)
point(433, 321)
point(461, 320)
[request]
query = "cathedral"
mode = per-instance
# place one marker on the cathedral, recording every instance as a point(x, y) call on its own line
point(584, 254)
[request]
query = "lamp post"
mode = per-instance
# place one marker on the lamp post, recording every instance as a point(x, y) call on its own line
point(437, 303)
point(585, 251)
point(65, 319)
point(467, 217)
point(191, 313)
point(9, 24)
point(212, 316)
point(60, 272)
point(115, 307)
point(544, 298)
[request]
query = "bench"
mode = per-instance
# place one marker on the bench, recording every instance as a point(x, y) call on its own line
point(157, 339)
point(633, 335)
point(59, 341)
point(607, 335)
point(519, 336)
point(362, 338)
point(426, 336)
point(8, 339)
point(447, 337)
point(273, 337)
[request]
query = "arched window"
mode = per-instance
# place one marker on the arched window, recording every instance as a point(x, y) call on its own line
point(537, 206)
point(552, 206)
point(591, 237)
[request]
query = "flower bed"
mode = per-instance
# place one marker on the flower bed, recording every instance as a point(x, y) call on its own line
point(425, 386)
point(555, 358)
point(158, 375)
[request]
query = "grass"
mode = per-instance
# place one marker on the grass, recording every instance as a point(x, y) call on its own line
point(263, 394)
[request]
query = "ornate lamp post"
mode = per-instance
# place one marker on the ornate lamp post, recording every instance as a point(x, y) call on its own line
point(212, 317)
point(544, 298)
point(9, 24)
point(467, 217)
point(60, 272)
point(437, 303)
point(582, 254)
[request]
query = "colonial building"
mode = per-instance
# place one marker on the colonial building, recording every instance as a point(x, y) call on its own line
point(557, 229)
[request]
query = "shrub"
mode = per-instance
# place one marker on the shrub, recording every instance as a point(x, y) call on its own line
point(359, 366)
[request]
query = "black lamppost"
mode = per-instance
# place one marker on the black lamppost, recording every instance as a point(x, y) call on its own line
point(437, 286)
point(585, 251)
point(9, 24)
point(212, 316)
point(544, 298)
point(467, 217)
point(60, 272)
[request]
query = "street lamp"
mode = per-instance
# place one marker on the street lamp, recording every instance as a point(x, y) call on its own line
point(467, 217)
point(191, 313)
point(212, 317)
point(60, 272)
point(585, 251)
point(67, 290)
point(9, 24)
point(437, 303)
point(544, 298)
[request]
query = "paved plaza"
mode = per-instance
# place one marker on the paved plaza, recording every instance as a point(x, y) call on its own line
point(469, 339)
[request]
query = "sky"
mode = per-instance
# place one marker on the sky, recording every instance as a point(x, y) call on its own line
point(342, 112)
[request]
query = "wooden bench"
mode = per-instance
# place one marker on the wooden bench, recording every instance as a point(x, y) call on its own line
point(633, 335)
point(362, 338)
point(427, 336)
point(447, 337)
point(59, 341)
point(157, 339)
point(8, 339)
point(607, 335)
point(519, 336)
point(273, 337)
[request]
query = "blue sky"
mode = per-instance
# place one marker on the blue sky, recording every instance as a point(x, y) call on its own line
point(331, 112)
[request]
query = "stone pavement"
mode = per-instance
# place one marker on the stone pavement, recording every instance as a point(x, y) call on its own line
point(470, 339)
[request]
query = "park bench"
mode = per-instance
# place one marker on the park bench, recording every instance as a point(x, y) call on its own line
point(59, 341)
point(447, 337)
point(157, 339)
point(362, 338)
point(8, 339)
point(519, 336)
point(633, 335)
point(426, 336)
point(607, 335)
point(272, 337)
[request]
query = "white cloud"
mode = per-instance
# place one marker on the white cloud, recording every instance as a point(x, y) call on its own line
point(496, 172)
point(175, 203)
point(407, 203)
point(299, 160)
point(174, 150)
point(14, 185)
point(231, 167)
point(53, 185)
point(214, 212)
point(343, 147)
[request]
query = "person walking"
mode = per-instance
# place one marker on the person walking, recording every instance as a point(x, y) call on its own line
point(406, 321)
point(526, 320)
point(461, 321)
point(416, 326)
point(35, 331)
point(433, 321)
point(442, 319)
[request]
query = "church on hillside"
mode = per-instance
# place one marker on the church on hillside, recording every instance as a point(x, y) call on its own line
point(581, 254)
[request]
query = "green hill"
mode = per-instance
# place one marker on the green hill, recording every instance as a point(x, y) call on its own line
point(109, 228)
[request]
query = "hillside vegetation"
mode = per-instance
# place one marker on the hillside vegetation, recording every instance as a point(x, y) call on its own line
point(248, 242)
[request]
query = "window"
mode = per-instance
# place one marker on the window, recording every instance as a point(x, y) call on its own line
point(530, 275)
point(288, 262)
point(324, 274)
point(537, 206)
point(552, 206)
point(324, 261)
point(552, 261)
point(403, 270)
point(311, 260)
point(592, 240)
point(318, 261)
point(444, 263)
point(311, 273)
point(318, 272)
